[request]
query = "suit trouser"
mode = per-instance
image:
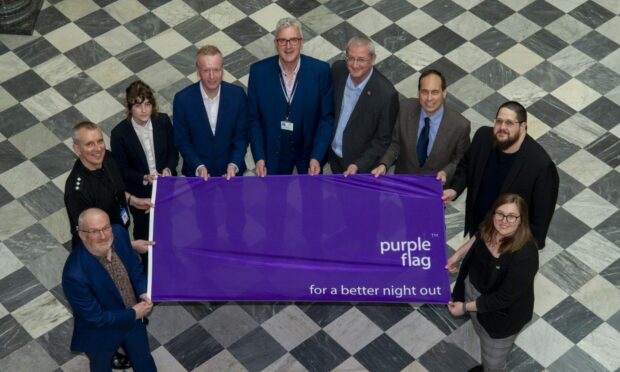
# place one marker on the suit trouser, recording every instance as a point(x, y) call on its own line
point(135, 344)
point(494, 351)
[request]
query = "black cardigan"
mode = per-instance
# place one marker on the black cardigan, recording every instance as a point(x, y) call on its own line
point(507, 303)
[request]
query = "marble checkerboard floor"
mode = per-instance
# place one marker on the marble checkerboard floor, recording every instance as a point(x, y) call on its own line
point(560, 58)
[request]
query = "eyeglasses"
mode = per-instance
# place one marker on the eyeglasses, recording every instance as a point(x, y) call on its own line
point(293, 41)
point(510, 218)
point(360, 60)
point(104, 230)
point(508, 123)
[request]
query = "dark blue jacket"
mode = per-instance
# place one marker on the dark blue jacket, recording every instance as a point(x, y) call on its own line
point(311, 112)
point(194, 138)
point(101, 320)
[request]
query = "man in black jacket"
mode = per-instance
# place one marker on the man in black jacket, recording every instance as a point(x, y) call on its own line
point(365, 106)
point(504, 159)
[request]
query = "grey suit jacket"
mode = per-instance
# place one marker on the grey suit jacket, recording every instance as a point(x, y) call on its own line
point(451, 142)
point(369, 129)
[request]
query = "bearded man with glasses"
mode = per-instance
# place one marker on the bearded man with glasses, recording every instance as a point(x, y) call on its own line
point(505, 159)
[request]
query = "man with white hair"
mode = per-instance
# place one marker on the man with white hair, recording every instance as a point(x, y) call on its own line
point(366, 105)
point(290, 107)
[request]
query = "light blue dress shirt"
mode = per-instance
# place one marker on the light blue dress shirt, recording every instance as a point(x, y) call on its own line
point(349, 100)
point(434, 127)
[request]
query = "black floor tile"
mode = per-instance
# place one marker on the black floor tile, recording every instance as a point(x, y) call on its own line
point(320, 353)
point(257, 350)
point(55, 161)
point(541, 12)
point(19, 288)
point(572, 319)
point(97, 23)
point(10, 156)
point(443, 10)
point(193, 347)
point(591, 14)
point(551, 110)
point(603, 112)
point(25, 85)
point(385, 315)
point(383, 354)
point(492, 11)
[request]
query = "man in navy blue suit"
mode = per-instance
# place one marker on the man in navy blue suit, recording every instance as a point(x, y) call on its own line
point(105, 285)
point(290, 107)
point(210, 121)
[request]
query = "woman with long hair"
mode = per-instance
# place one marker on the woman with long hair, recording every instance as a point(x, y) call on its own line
point(495, 283)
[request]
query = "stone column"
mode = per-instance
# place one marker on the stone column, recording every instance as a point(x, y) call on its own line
point(19, 16)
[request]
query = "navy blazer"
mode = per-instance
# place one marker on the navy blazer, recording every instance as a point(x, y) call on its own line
point(131, 159)
point(194, 138)
point(101, 320)
point(311, 112)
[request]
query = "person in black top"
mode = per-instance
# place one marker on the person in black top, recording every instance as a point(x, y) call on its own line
point(502, 159)
point(143, 148)
point(95, 181)
point(496, 280)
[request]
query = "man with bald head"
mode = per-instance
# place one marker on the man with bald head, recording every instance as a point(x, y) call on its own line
point(105, 284)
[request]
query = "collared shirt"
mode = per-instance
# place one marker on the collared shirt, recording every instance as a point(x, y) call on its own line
point(145, 135)
point(349, 100)
point(289, 79)
point(212, 106)
point(434, 126)
point(118, 273)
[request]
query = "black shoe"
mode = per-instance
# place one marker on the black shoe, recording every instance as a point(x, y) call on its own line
point(120, 361)
point(477, 368)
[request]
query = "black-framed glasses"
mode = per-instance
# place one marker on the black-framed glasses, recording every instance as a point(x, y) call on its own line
point(294, 41)
point(510, 218)
point(508, 123)
point(104, 230)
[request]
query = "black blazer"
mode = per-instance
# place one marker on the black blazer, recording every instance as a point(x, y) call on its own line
point(508, 303)
point(533, 176)
point(130, 157)
point(369, 130)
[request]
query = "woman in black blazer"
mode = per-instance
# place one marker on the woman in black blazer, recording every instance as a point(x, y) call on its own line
point(143, 147)
point(496, 280)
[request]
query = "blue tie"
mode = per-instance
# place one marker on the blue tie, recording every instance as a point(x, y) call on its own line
point(423, 141)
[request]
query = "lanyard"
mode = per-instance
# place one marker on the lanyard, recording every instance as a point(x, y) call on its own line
point(289, 99)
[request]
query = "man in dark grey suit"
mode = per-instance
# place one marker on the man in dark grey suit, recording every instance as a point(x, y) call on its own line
point(429, 138)
point(366, 105)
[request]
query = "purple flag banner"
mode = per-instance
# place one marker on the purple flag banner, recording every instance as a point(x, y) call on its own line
point(299, 238)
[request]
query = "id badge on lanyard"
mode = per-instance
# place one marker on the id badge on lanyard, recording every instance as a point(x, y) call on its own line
point(286, 124)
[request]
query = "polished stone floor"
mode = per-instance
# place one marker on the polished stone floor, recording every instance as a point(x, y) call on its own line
point(560, 58)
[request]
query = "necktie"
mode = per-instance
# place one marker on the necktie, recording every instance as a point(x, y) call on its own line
point(423, 142)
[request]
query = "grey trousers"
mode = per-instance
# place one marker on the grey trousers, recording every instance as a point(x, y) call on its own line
point(494, 351)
